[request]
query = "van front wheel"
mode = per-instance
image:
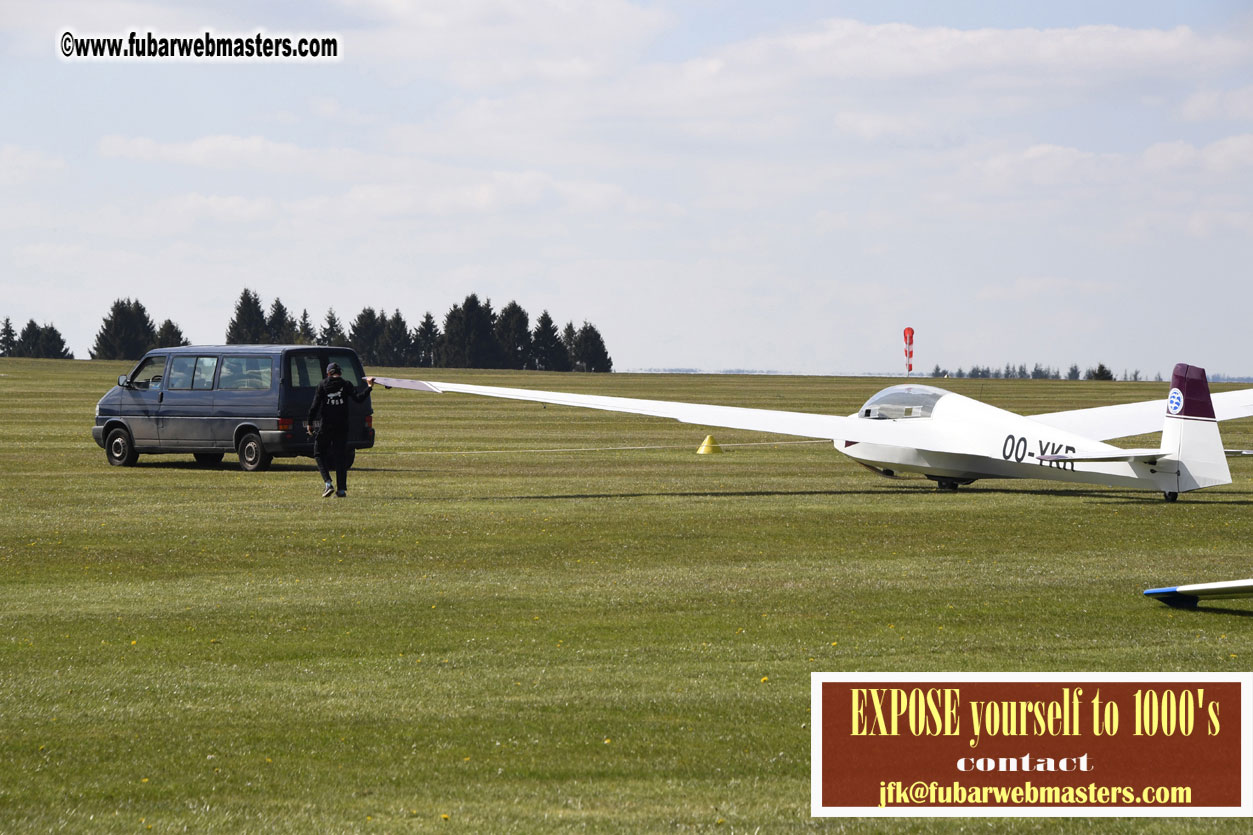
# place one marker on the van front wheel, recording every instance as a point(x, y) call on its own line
point(119, 449)
point(252, 455)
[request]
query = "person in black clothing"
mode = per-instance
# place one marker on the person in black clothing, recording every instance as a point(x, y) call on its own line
point(330, 443)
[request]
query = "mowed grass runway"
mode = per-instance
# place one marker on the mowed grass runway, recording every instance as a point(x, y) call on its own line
point(521, 641)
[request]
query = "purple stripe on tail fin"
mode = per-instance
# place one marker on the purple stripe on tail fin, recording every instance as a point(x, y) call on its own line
point(1189, 393)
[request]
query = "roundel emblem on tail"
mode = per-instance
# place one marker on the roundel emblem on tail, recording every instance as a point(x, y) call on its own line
point(1174, 403)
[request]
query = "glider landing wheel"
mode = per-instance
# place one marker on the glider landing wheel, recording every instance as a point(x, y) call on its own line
point(1170, 496)
point(948, 483)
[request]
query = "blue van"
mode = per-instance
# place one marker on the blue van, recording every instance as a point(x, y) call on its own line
point(208, 400)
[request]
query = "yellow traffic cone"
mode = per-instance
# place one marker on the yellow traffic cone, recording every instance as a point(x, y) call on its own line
point(709, 446)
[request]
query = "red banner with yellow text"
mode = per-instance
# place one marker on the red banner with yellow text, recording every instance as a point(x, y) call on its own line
point(1086, 744)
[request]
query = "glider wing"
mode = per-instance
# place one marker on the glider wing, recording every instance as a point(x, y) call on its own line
point(801, 424)
point(1106, 422)
point(1189, 595)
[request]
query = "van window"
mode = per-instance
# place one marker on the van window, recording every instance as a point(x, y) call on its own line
point(181, 369)
point(347, 366)
point(191, 373)
point(245, 374)
point(205, 368)
point(148, 374)
point(304, 371)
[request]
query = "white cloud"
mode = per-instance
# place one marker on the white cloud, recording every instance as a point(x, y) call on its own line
point(1170, 155)
point(1204, 224)
point(872, 126)
point(1030, 288)
point(484, 195)
point(228, 209)
point(486, 42)
point(38, 22)
point(380, 184)
point(1229, 155)
point(1225, 156)
point(334, 111)
point(852, 49)
point(1219, 104)
point(800, 94)
point(1045, 166)
point(23, 165)
point(227, 152)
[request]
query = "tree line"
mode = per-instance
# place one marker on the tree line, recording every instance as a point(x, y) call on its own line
point(473, 335)
point(1039, 372)
point(35, 340)
point(128, 333)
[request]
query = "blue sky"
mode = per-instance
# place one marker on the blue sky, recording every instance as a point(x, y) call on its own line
point(714, 185)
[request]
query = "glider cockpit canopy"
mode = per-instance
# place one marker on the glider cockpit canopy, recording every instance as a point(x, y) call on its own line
point(907, 401)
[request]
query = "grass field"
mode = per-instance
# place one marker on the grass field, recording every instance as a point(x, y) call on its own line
point(614, 640)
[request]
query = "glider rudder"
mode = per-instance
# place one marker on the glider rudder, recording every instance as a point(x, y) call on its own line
point(1190, 433)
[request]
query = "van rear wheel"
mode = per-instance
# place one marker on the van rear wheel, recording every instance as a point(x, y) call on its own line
point(120, 449)
point(252, 455)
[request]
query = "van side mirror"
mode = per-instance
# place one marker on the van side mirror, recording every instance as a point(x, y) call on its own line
point(123, 382)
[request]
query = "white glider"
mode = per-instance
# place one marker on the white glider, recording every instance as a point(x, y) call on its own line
point(953, 440)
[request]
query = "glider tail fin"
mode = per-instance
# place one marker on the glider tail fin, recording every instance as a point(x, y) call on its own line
point(1190, 434)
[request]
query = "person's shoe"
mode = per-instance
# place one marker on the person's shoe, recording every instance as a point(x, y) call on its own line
point(342, 493)
point(328, 491)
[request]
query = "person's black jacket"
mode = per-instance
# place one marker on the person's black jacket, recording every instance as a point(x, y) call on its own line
point(330, 403)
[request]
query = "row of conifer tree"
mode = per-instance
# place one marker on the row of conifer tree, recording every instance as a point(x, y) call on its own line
point(473, 336)
point(35, 340)
point(1039, 372)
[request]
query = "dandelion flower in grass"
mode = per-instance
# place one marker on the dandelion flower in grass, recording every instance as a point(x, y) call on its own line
point(764, 679)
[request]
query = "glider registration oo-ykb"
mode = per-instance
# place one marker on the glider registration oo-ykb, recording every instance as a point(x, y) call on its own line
point(954, 440)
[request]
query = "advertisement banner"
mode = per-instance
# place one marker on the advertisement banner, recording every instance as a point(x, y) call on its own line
point(1031, 744)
